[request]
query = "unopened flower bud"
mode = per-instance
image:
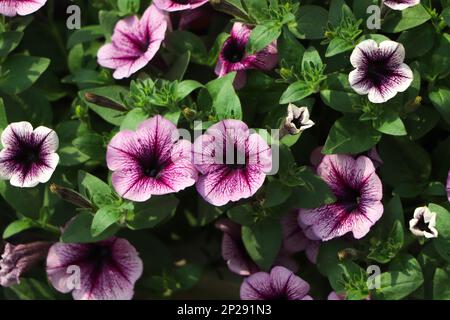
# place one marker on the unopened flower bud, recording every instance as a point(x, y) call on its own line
point(71, 196)
point(103, 101)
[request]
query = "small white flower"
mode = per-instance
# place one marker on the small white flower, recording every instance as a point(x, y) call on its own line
point(423, 224)
point(297, 119)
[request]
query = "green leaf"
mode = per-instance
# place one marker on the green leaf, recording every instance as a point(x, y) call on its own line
point(128, 6)
point(350, 280)
point(437, 63)
point(327, 259)
point(85, 34)
point(389, 122)
point(68, 131)
point(133, 118)
point(296, 91)
point(186, 87)
point(19, 72)
point(181, 42)
point(262, 242)
point(289, 48)
point(226, 102)
point(342, 101)
point(262, 36)
point(442, 242)
point(311, 22)
point(337, 46)
point(276, 193)
point(31, 289)
point(403, 278)
point(26, 201)
point(79, 230)
point(18, 226)
point(94, 189)
point(114, 93)
point(406, 19)
point(441, 284)
point(92, 145)
point(179, 67)
point(348, 135)
point(446, 15)
point(9, 41)
point(388, 246)
point(104, 218)
point(440, 97)
point(3, 118)
point(153, 212)
point(417, 41)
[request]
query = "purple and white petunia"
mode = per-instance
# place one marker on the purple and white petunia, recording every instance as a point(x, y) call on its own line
point(298, 237)
point(233, 56)
point(18, 259)
point(358, 191)
point(279, 284)
point(379, 70)
point(448, 186)
point(134, 43)
point(11, 8)
point(150, 161)
point(423, 223)
point(232, 161)
point(28, 156)
point(107, 270)
point(401, 4)
point(178, 5)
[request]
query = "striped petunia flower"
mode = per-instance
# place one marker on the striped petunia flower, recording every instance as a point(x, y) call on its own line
point(401, 4)
point(279, 284)
point(105, 270)
point(11, 8)
point(134, 43)
point(150, 161)
point(233, 162)
point(423, 223)
point(358, 190)
point(178, 5)
point(28, 156)
point(233, 56)
point(448, 186)
point(379, 70)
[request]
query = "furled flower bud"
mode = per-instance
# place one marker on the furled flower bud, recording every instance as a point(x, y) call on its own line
point(16, 260)
point(103, 102)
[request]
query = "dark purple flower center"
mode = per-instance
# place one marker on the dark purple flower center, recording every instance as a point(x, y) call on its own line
point(232, 51)
point(28, 153)
point(151, 167)
point(349, 198)
point(298, 122)
point(422, 225)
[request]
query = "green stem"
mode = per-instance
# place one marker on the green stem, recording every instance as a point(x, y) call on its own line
point(50, 228)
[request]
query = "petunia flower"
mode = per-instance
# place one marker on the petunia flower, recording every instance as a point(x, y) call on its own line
point(423, 224)
point(334, 296)
point(150, 161)
point(448, 186)
point(28, 156)
point(298, 237)
point(297, 120)
point(178, 5)
point(379, 70)
point(233, 250)
point(105, 270)
point(18, 259)
point(236, 256)
point(134, 43)
point(233, 56)
point(11, 8)
point(358, 191)
point(233, 163)
point(279, 284)
point(401, 4)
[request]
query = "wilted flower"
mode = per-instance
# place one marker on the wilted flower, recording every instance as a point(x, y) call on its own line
point(11, 8)
point(236, 256)
point(150, 161)
point(298, 237)
point(380, 71)
point(233, 163)
point(105, 270)
point(178, 5)
point(401, 4)
point(297, 120)
point(423, 224)
point(280, 284)
point(233, 250)
point(134, 43)
point(28, 156)
point(233, 56)
point(358, 191)
point(18, 259)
